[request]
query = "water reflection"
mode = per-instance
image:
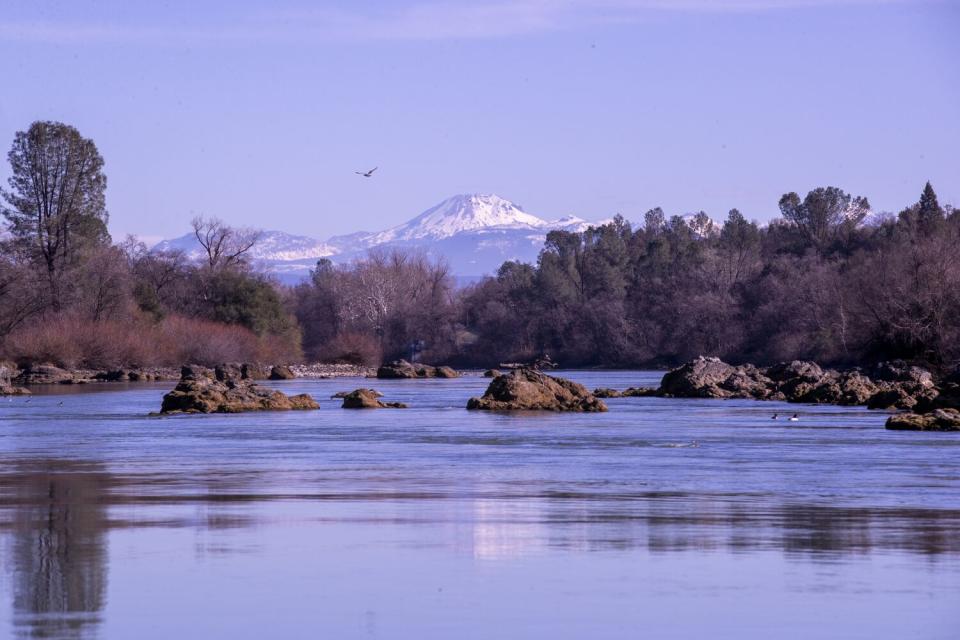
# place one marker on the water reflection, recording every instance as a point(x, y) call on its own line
point(58, 556)
point(56, 514)
point(503, 529)
point(674, 523)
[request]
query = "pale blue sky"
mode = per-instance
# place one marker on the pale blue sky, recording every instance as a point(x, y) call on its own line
point(259, 112)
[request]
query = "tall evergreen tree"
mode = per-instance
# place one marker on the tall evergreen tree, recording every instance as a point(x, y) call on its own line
point(57, 205)
point(929, 208)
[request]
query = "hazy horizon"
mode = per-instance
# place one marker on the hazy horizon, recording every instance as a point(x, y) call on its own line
point(261, 113)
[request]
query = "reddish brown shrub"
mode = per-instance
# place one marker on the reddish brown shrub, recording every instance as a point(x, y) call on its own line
point(351, 348)
point(72, 342)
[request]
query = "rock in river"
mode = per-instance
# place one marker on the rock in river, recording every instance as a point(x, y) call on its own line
point(526, 389)
point(368, 399)
point(404, 369)
point(44, 374)
point(607, 392)
point(7, 372)
point(200, 392)
point(938, 420)
point(700, 378)
point(280, 372)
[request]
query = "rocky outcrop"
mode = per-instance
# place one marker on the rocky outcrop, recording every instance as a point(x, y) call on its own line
point(280, 372)
point(748, 381)
point(252, 371)
point(202, 390)
point(639, 392)
point(344, 394)
point(368, 399)
point(900, 371)
point(7, 388)
point(936, 420)
point(529, 390)
point(44, 374)
point(900, 386)
point(255, 371)
point(607, 392)
point(135, 374)
point(401, 369)
point(700, 378)
point(492, 373)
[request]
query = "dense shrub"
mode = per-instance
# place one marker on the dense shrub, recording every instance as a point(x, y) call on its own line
point(72, 341)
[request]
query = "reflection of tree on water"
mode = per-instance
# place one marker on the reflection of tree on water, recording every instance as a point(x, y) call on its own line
point(58, 556)
point(668, 522)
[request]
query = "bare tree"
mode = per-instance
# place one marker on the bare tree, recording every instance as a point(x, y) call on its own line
point(224, 245)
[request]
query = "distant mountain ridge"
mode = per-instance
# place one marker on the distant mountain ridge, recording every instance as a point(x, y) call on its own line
point(475, 233)
point(273, 246)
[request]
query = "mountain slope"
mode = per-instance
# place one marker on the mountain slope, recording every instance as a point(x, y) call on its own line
point(273, 246)
point(474, 233)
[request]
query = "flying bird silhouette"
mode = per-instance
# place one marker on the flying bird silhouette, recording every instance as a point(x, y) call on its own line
point(367, 174)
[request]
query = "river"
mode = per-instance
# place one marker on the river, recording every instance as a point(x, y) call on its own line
point(660, 519)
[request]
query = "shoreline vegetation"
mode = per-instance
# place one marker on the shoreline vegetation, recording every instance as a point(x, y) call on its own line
point(828, 281)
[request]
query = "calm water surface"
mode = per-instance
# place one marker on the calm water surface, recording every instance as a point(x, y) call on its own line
point(433, 522)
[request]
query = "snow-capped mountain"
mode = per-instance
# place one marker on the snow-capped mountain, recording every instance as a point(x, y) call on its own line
point(458, 214)
point(474, 233)
point(273, 246)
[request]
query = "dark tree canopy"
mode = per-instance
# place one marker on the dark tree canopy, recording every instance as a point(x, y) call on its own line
point(818, 285)
point(823, 214)
point(928, 207)
point(56, 201)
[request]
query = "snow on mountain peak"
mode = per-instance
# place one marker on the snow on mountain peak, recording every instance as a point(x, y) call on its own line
point(272, 246)
point(468, 212)
point(476, 232)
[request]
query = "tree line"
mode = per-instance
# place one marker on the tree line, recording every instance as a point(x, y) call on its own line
point(827, 280)
point(823, 282)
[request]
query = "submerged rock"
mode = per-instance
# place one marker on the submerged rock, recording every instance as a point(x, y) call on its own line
point(607, 392)
point(401, 369)
point(937, 420)
point(526, 389)
point(199, 391)
point(639, 392)
point(368, 399)
point(629, 392)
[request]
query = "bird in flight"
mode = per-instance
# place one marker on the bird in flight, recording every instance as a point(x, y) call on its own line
point(367, 174)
